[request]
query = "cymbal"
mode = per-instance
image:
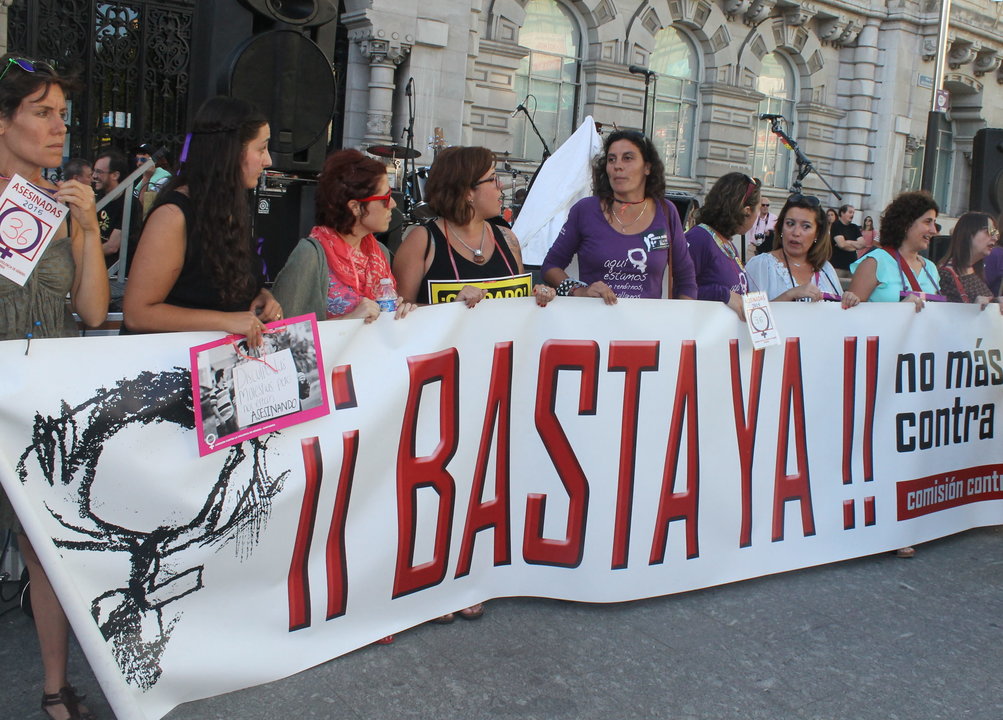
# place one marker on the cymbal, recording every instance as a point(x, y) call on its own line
point(397, 152)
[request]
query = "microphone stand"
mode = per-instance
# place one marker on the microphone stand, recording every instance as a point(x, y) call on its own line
point(805, 166)
point(546, 150)
point(644, 121)
point(409, 177)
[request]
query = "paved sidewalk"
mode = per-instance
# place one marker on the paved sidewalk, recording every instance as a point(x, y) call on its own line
point(876, 638)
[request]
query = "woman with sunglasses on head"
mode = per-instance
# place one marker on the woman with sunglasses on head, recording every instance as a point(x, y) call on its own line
point(461, 245)
point(799, 269)
point(896, 271)
point(195, 267)
point(728, 210)
point(962, 269)
point(626, 235)
point(335, 273)
point(32, 135)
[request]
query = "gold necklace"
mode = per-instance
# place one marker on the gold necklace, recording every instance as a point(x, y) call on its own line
point(624, 226)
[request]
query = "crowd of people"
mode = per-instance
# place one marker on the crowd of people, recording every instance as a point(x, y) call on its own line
point(195, 267)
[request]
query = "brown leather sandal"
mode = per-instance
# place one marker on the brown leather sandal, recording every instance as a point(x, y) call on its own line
point(67, 697)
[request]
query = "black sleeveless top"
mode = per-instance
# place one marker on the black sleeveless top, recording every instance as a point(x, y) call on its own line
point(442, 268)
point(195, 286)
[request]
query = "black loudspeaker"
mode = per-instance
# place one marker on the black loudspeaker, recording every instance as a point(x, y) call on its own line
point(986, 194)
point(276, 54)
point(282, 215)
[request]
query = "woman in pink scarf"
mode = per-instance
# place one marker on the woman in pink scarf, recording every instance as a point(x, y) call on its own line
point(335, 273)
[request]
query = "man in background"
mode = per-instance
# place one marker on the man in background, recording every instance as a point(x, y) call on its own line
point(78, 169)
point(846, 240)
point(110, 169)
point(761, 231)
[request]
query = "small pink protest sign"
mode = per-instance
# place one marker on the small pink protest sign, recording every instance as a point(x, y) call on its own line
point(241, 392)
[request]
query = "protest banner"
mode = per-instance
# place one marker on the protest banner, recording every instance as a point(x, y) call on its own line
point(579, 451)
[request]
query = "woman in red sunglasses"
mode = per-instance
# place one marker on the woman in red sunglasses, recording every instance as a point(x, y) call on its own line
point(335, 273)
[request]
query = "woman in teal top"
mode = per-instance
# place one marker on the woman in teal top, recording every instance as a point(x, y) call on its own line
point(896, 271)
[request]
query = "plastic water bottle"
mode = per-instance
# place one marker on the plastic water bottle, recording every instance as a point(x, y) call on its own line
point(386, 296)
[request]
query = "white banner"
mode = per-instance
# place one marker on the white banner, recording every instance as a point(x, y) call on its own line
point(577, 451)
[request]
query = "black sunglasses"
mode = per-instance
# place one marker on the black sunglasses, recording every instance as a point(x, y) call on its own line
point(809, 200)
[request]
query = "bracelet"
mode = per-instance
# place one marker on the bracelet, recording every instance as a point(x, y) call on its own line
point(569, 285)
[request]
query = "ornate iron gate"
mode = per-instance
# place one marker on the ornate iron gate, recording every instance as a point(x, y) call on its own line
point(133, 59)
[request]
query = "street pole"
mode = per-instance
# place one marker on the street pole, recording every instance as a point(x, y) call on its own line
point(937, 118)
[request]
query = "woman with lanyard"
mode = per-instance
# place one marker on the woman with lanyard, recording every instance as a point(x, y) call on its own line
point(32, 136)
point(799, 269)
point(461, 246)
point(626, 235)
point(896, 271)
point(729, 209)
point(335, 273)
point(962, 268)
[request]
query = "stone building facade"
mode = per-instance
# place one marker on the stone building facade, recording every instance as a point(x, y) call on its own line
point(854, 80)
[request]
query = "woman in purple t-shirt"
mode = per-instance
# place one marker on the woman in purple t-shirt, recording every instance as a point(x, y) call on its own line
point(729, 209)
point(627, 234)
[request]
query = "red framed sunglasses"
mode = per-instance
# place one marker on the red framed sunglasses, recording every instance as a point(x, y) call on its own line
point(385, 199)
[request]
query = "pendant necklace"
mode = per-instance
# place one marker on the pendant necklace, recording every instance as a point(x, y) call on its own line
point(623, 225)
point(477, 252)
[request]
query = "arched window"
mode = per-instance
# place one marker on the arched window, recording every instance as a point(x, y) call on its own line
point(673, 131)
point(772, 162)
point(549, 73)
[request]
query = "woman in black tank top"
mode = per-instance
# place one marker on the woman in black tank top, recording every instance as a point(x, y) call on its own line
point(195, 268)
point(462, 244)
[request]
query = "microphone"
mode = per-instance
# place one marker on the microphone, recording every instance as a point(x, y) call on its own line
point(768, 116)
point(407, 88)
point(516, 111)
point(638, 70)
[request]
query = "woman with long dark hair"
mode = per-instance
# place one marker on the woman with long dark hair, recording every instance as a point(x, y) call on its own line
point(32, 135)
point(728, 210)
point(962, 270)
point(195, 267)
point(626, 235)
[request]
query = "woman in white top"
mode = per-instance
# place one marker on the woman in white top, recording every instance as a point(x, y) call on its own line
point(798, 269)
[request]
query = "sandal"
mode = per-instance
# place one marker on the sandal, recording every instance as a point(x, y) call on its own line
point(68, 698)
point(474, 612)
point(906, 552)
point(445, 619)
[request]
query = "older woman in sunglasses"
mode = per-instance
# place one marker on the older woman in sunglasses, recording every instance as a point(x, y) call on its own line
point(962, 267)
point(335, 273)
point(729, 209)
point(799, 268)
point(463, 246)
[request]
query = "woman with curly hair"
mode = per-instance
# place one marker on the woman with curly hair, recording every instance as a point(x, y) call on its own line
point(625, 235)
point(462, 245)
point(336, 272)
point(195, 266)
point(729, 209)
point(962, 269)
point(896, 271)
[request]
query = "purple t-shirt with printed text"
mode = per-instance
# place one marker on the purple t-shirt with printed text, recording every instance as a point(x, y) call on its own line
point(632, 265)
point(717, 274)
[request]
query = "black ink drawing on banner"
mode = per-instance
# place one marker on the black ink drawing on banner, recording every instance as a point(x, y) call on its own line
point(136, 619)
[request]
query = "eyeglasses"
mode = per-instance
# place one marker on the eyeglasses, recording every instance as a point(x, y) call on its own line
point(754, 184)
point(809, 200)
point(994, 234)
point(766, 205)
point(385, 199)
point(491, 179)
point(21, 63)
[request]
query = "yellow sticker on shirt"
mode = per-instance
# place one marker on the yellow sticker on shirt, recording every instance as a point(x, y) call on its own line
point(444, 291)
